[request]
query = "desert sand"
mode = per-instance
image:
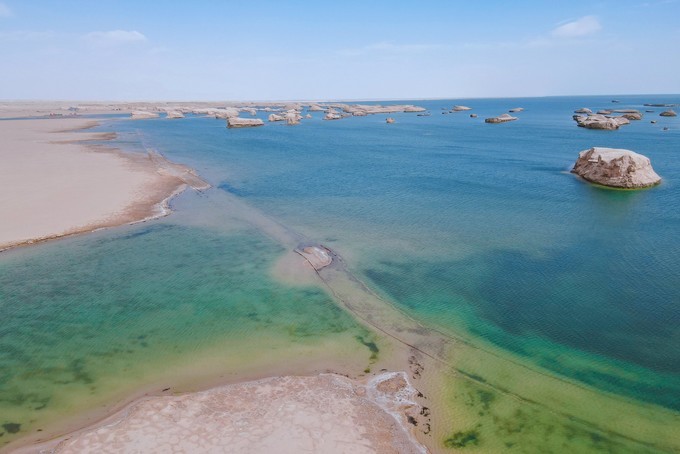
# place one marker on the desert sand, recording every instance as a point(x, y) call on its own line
point(52, 183)
point(323, 413)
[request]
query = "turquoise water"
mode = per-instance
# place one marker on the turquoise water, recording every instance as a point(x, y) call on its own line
point(478, 230)
point(481, 227)
point(90, 320)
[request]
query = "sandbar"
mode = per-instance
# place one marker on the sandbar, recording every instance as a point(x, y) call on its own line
point(53, 183)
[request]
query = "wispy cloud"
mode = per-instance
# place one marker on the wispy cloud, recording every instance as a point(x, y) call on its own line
point(115, 37)
point(587, 25)
point(387, 47)
point(5, 11)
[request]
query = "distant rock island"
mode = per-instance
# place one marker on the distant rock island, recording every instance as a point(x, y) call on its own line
point(238, 122)
point(500, 119)
point(668, 113)
point(616, 168)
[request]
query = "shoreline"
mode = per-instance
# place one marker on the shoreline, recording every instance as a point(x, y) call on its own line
point(97, 186)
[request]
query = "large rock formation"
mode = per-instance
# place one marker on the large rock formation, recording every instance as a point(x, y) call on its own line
point(616, 168)
point(237, 122)
point(600, 122)
point(500, 119)
point(668, 113)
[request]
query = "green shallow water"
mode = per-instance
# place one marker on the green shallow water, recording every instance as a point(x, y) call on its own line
point(87, 319)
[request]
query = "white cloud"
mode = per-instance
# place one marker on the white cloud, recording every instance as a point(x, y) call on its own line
point(115, 37)
point(587, 25)
point(4, 10)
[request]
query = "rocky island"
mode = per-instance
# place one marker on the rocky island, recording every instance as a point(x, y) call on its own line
point(616, 168)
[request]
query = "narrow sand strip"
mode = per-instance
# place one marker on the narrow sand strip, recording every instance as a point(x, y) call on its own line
point(52, 184)
point(325, 413)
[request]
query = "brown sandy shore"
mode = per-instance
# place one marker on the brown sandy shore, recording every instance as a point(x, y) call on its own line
point(54, 183)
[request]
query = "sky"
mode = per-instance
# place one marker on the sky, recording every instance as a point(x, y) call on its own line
point(312, 50)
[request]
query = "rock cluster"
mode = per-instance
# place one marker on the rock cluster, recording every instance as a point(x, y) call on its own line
point(596, 121)
point(617, 168)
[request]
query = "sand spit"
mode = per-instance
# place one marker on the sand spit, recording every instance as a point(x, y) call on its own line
point(54, 184)
point(324, 413)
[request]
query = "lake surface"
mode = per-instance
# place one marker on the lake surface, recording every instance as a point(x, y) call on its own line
point(477, 231)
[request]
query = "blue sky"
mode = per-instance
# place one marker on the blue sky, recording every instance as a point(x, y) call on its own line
point(271, 50)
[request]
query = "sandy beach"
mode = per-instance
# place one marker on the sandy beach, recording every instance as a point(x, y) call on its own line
point(53, 184)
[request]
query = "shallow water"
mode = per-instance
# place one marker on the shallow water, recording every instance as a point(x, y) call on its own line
point(559, 299)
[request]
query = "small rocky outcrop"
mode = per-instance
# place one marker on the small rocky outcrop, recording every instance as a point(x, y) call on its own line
point(142, 115)
point(604, 112)
point(389, 120)
point(460, 108)
point(583, 110)
point(632, 116)
point(238, 122)
point(293, 117)
point(500, 119)
point(516, 109)
point(315, 108)
point(616, 168)
point(668, 113)
point(174, 114)
point(414, 109)
point(473, 115)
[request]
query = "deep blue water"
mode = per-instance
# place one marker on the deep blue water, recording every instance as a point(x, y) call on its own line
point(479, 228)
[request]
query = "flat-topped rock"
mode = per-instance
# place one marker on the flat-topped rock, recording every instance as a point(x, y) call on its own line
point(616, 168)
point(171, 114)
point(500, 119)
point(142, 114)
point(460, 108)
point(516, 109)
point(668, 113)
point(238, 122)
point(583, 110)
